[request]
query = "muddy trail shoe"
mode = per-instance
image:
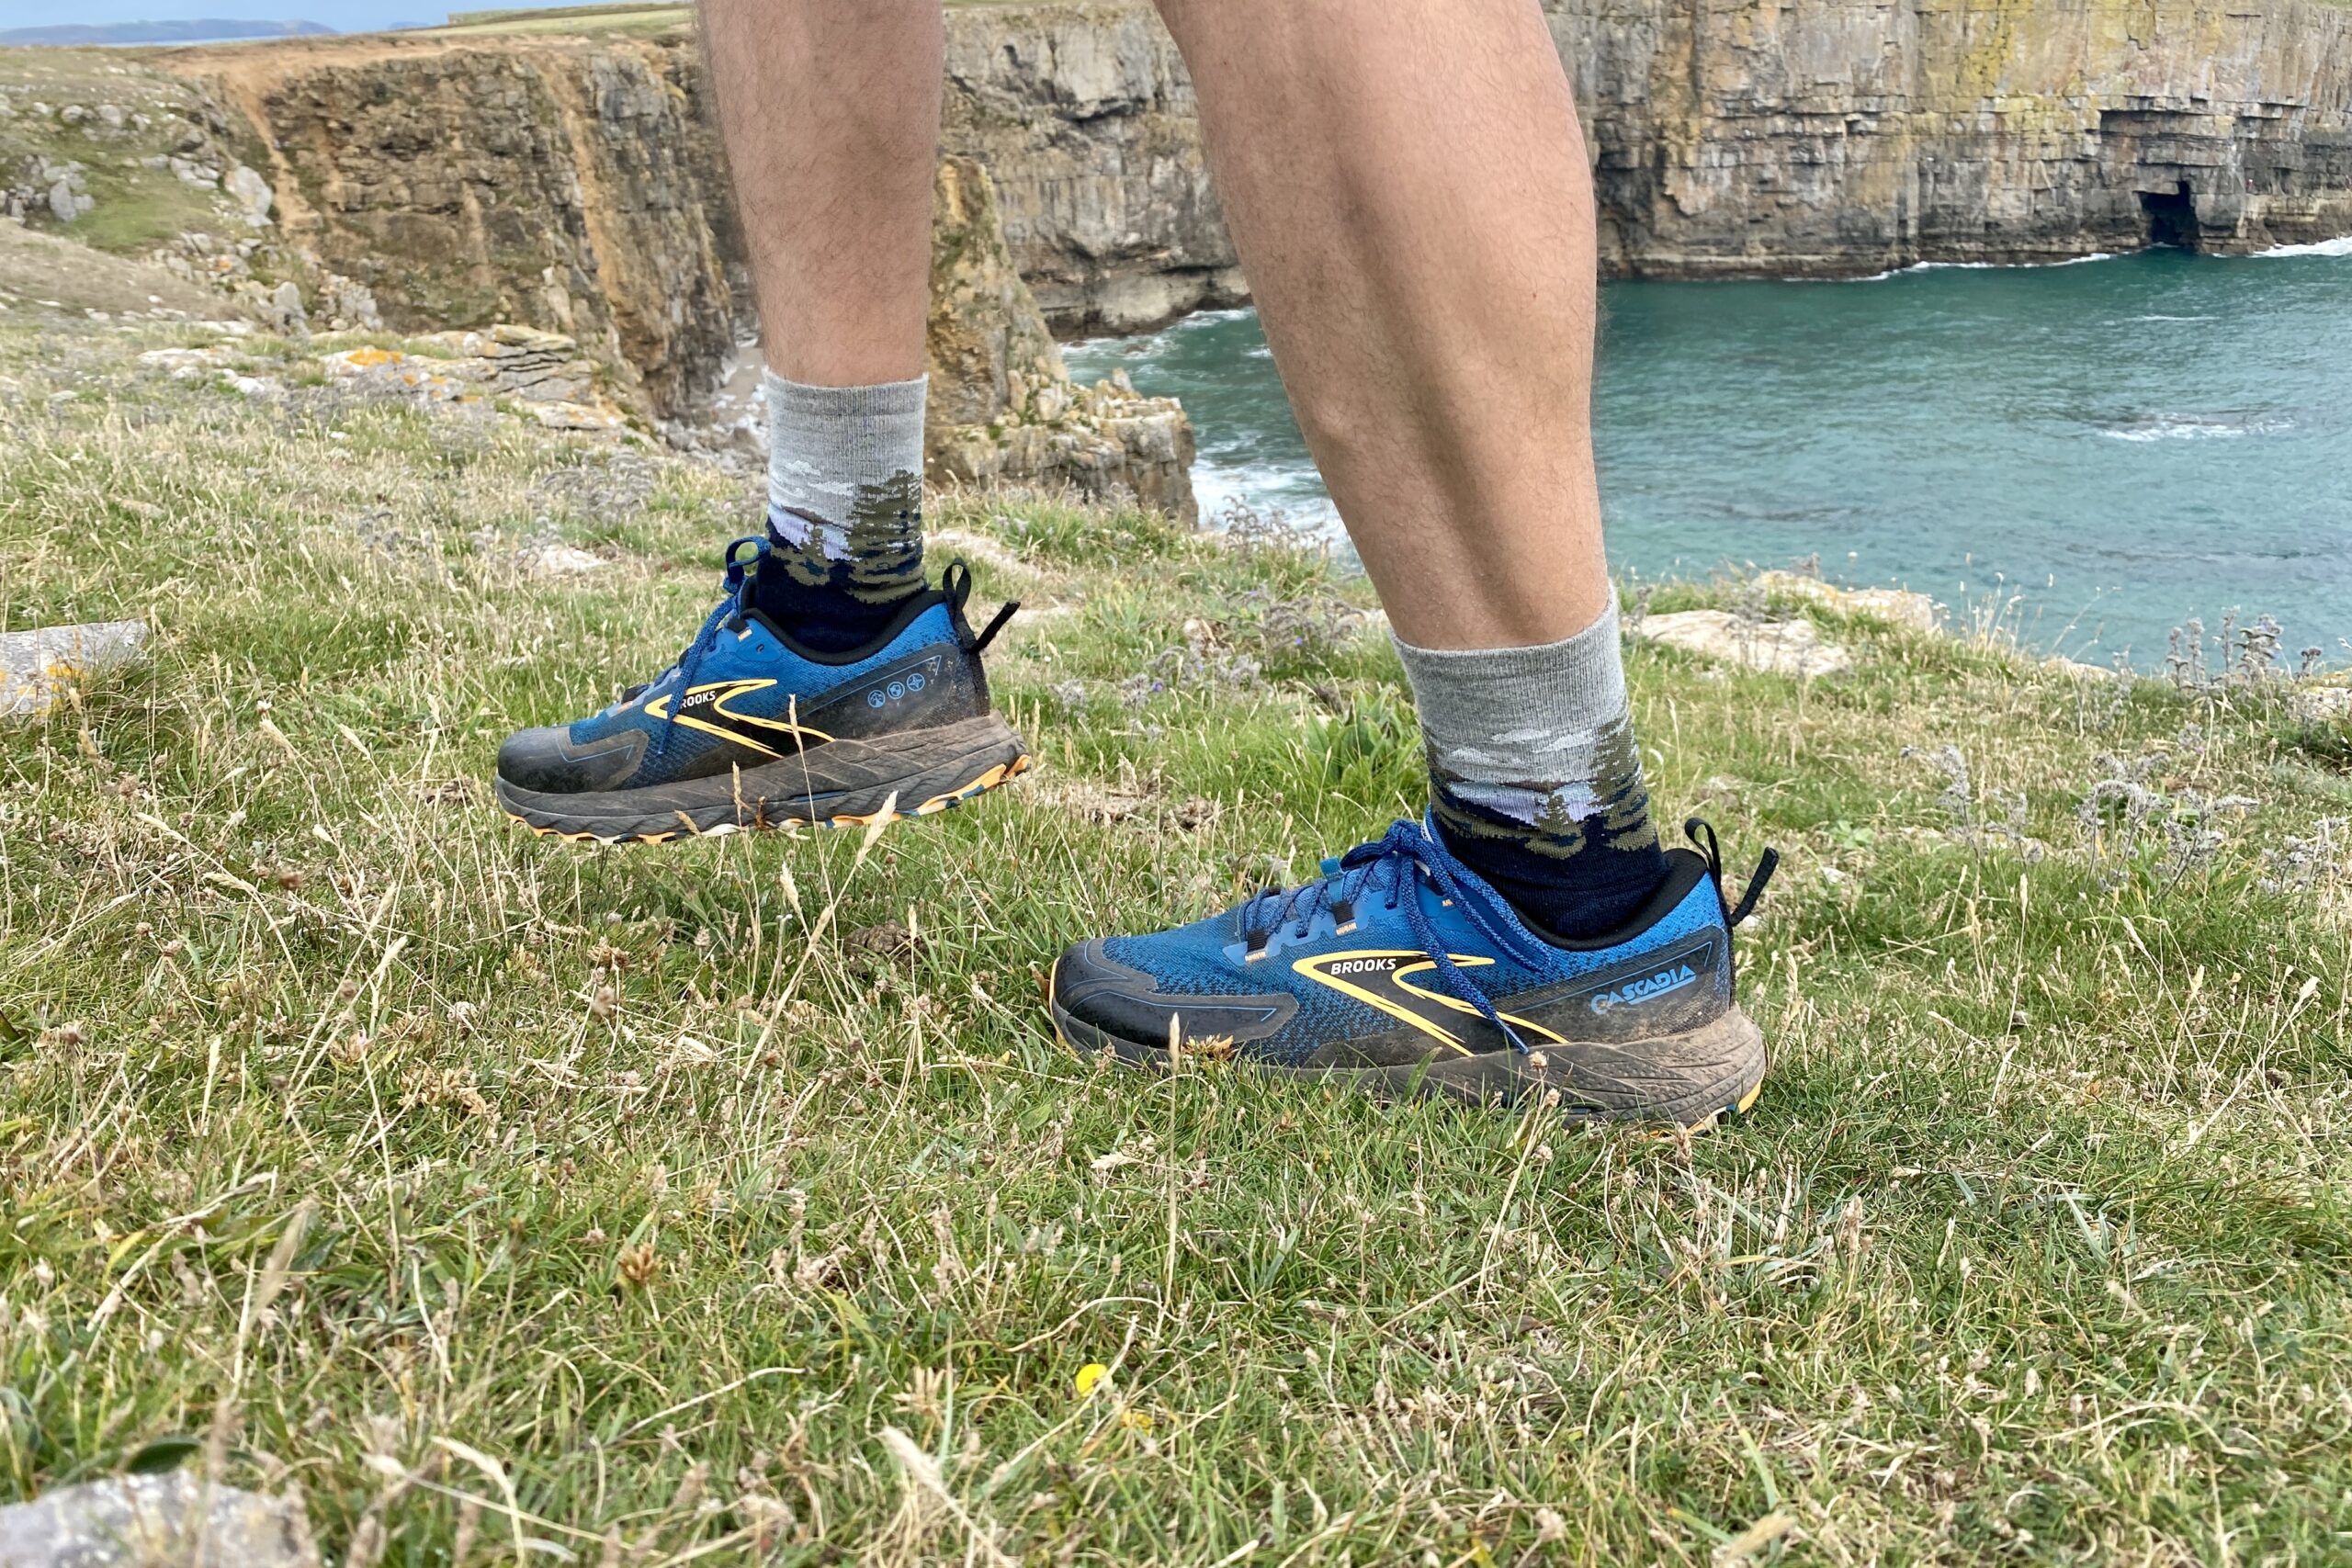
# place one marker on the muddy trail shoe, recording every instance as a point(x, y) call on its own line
point(752, 729)
point(1401, 972)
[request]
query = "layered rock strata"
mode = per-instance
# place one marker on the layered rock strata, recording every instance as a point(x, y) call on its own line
point(571, 183)
point(1837, 137)
point(1731, 137)
point(574, 188)
point(1003, 409)
point(571, 187)
point(1083, 114)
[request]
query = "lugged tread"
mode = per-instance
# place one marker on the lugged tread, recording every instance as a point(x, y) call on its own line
point(1726, 1057)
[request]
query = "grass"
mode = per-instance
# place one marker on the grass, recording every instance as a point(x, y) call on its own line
point(730, 1201)
point(637, 21)
point(138, 208)
point(633, 17)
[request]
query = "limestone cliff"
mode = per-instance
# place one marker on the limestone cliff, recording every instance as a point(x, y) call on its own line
point(568, 186)
point(1828, 136)
point(574, 186)
point(570, 182)
point(1731, 137)
point(1002, 408)
point(1084, 115)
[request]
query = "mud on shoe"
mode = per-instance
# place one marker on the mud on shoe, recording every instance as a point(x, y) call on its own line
point(752, 730)
point(1401, 972)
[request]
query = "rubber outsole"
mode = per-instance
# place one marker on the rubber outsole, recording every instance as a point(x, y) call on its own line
point(1693, 1080)
point(964, 761)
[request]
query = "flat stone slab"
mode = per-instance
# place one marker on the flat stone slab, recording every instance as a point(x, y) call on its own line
point(553, 558)
point(171, 1519)
point(1899, 606)
point(1784, 648)
point(35, 666)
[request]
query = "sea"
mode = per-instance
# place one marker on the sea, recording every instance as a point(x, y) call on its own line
point(2090, 455)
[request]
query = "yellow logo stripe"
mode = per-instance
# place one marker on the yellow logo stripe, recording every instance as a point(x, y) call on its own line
point(1456, 1003)
point(1312, 969)
point(729, 691)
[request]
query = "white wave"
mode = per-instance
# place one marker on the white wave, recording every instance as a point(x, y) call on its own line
point(1263, 488)
point(1964, 267)
point(2196, 429)
point(2342, 247)
point(1210, 318)
point(2154, 316)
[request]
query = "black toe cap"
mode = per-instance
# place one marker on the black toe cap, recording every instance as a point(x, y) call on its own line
point(547, 762)
point(1120, 999)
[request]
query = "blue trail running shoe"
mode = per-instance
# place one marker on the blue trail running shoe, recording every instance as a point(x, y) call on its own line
point(1401, 972)
point(752, 729)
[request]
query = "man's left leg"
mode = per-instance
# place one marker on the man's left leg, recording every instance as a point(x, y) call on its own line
point(832, 683)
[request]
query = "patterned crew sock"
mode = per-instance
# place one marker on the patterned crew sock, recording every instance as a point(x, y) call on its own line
point(844, 508)
point(1535, 780)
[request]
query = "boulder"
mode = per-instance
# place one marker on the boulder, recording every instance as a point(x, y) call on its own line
point(132, 1521)
point(1783, 647)
point(252, 194)
point(36, 667)
point(1898, 606)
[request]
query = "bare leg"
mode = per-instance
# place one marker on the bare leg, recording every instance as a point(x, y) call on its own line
point(1408, 188)
point(1407, 184)
point(830, 112)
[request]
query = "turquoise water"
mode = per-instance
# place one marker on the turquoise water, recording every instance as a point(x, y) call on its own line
point(2116, 445)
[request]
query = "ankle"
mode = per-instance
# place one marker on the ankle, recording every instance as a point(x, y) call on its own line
point(834, 614)
point(1579, 895)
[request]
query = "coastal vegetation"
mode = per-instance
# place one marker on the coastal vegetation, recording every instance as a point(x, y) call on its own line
point(511, 1200)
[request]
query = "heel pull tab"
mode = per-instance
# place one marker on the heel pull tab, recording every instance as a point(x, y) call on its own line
point(956, 584)
point(987, 633)
point(956, 587)
point(1702, 833)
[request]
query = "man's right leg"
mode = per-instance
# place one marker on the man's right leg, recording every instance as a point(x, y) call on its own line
point(831, 684)
point(1408, 188)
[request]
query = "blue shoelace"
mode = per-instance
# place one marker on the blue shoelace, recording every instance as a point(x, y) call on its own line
point(728, 616)
point(1393, 865)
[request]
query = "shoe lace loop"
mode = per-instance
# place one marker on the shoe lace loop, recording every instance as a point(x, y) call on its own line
point(1395, 865)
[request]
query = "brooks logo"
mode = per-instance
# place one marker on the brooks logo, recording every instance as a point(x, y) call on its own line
point(1634, 993)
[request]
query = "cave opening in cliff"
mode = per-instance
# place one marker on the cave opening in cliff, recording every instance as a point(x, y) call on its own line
point(2172, 216)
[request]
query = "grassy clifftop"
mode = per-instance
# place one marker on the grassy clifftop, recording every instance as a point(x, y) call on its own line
point(665, 1186)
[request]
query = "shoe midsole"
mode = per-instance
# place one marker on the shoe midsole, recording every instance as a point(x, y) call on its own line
point(839, 773)
point(1680, 1077)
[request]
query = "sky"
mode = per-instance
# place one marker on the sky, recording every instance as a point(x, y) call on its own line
point(344, 16)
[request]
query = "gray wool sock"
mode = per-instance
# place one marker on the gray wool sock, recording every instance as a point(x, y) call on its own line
point(1535, 779)
point(845, 486)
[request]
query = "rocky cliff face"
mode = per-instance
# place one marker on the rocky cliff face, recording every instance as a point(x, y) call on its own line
point(575, 187)
point(1733, 137)
point(1002, 409)
point(1829, 137)
point(572, 185)
point(1083, 113)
